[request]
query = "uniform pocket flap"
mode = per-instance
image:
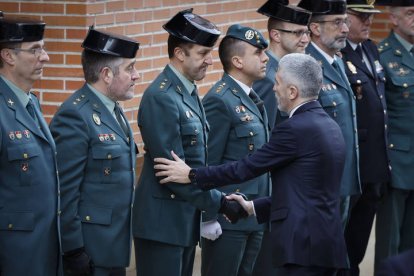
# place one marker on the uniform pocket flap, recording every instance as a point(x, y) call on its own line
point(189, 129)
point(399, 142)
point(106, 151)
point(18, 221)
point(23, 151)
point(402, 81)
point(279, 214)
point(95, 215)
point(330, 101)
point(244, 131)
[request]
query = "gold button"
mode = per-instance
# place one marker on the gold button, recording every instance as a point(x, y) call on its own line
point(25, 156)
point(405, 85)
point(88, 218)
point(251, 133)
point(237, 190)
point(334, 103)
point(391, 145)
point(172, 195)
point(10, 226)
point(109, 156)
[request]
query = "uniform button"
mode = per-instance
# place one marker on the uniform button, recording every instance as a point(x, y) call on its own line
point(196, 131)
point(10, 226)
point(385, 126)
point(25, 155)
point(391, 146)
point(58, 192)
point(359, 81)
point(109, 156)
point(88, 218)
point(357, 147)
point(173, 196)
point(334, 103)
point(59, 212)
point(381, 96)
point(251, 133)
point(405, 85)
point(355, 130)
point(385, 111)
point(354, 114)
point(237, 190)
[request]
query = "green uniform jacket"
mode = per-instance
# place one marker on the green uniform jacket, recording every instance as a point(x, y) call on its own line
point(170, 119)
point(96, 163)
point(338, 100)
point(236, 129)
point(399, 92)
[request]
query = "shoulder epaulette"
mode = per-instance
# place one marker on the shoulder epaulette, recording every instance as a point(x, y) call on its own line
point(164, 84)
point(383, 46)
point(220, 87)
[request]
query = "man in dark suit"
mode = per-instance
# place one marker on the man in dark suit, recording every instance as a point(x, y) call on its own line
point(398, 265)
point(96, 158)
point(166, 220)
point(329, 28)
point(305, 155)
point(29, 186)
point(366, 77)
point(238, 123)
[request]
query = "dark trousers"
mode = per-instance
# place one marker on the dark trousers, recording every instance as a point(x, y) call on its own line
point(113, 271)
point(297, 270)
point(263, 265)
point(158, 258)
point(394, 230)
point(363, 209)
point(233, 253)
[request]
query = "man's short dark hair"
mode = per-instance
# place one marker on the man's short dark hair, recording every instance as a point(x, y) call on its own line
point(228, 48)
point(93, 63)
point(8, 45)
point(174, 42)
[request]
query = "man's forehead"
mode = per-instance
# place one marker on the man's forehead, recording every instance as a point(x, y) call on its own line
point(293, 26)
point(32, 44)
point(334, 16)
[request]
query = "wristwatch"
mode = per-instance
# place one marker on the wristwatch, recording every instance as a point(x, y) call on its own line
point(192, 176)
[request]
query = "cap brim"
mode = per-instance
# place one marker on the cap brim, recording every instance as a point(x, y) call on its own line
point(362, 9)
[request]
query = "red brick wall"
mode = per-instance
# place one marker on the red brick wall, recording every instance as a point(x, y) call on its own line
point(68, 21)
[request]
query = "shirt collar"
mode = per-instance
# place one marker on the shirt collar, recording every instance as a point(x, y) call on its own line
point(20, 94)
point(297, 107)
point(354, 45)
point(243, 86)
point(109, 103)
point(325, 55)
point(270, 53)
point(407, 45)
point(188, 85)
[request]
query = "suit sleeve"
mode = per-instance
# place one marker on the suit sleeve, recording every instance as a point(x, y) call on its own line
point(278, 152)
point(165, 135)
point(70, 133)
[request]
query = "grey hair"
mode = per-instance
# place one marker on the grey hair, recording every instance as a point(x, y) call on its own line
point(302, 71)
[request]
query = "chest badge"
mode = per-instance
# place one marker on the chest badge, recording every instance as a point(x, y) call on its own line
point(351, 67)
point(10, 102)
point(96, 119)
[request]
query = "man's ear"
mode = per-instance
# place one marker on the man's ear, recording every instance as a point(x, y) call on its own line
point(275, 35)
point(293, 92)
point(107, 75)
point(237, 62)
point(315, 28)
point(7, 56)
point(179, 53)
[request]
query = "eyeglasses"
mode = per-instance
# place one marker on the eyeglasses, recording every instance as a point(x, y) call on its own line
point(363, 16)
point(298, 34)
point(338, 23)
point(37, 52)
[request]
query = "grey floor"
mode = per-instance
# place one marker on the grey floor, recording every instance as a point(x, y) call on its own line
point(366, 268)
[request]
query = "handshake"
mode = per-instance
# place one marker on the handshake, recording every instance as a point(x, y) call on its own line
point(235, 206)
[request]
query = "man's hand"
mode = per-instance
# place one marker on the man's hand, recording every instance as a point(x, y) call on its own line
point(77, 263)
point(210, 230)
point(247, 205)
point(232, 209)
point(172, 170)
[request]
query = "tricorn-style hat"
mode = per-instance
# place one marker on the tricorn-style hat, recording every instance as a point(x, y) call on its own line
point(192, 28)
point(363, 6)
point(110, 44)
point(395, 3)
point(280, 10)
point(324, 7)
point(21, 30)
point(247, 34)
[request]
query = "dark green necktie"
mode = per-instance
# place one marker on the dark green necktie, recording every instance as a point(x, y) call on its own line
point(121, 122)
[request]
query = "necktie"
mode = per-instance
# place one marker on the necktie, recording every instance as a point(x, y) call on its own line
point(338, 69)
point(256, 99)
point(31, 109)
point(118, 116)
point(358, 50)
